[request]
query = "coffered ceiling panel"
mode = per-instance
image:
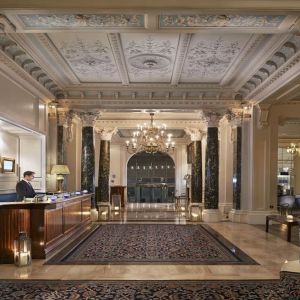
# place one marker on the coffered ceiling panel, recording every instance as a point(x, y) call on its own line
point(89, 55)
point(210, 56)
point(150, 57)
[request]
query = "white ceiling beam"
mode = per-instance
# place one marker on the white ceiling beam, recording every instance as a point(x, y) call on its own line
point(116, 46)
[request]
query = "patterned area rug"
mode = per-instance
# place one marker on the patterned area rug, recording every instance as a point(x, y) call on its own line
point(287, 288)
point(153, 243)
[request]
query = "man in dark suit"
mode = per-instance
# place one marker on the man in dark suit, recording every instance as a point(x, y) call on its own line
point(24, 187)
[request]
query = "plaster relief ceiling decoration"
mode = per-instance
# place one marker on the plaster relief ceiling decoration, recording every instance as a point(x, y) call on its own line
point(136, 59)
point(222, 20)
point(150, 58)
point(88, 54)
point(61, 21)
point(210, 56)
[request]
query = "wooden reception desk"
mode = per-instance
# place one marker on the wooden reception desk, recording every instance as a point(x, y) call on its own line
point(49, 224)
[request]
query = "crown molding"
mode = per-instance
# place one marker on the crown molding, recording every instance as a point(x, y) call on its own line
point(231, 75)
point(21, 77)
point(248, 70)
point(281, 77)
point(33, 50)
point(62, 70)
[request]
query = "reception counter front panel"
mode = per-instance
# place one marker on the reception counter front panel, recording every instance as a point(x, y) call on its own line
point(49, 225)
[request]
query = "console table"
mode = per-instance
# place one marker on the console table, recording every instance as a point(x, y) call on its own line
point(283, 220)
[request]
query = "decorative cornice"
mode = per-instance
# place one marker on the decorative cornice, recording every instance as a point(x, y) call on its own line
point(5, 25)
point(195, 133)
point(271, 84)
point(131, 124)
point(116, 47)
point(61, 64)
point(241, 64)
point(22, 61)
point(149, 103)
point(184, 42)
point(27, 81)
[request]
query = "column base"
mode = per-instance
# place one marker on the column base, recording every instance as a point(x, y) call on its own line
point(225, 208)
point(250, 217)
point(211, 215)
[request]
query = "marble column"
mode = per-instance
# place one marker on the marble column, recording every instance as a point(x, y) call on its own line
point(88, 153)
point(196, 167)
point(102, 194)
point(61, 119)
point(211, 212)
point(237, 166)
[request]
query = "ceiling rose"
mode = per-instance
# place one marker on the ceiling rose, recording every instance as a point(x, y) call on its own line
point(149, 61)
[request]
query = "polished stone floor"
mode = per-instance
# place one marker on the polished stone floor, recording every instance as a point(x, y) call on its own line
point(271, 251)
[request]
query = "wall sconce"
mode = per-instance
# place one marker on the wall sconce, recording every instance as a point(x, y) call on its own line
point(22, 250)
point(60, 171)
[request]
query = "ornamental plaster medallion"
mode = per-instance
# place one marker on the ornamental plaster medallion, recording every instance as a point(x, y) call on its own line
point(149, 61)
point(36, 21)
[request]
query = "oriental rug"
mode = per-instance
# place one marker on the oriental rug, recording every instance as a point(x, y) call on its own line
point(288, 287)
point(153, 243)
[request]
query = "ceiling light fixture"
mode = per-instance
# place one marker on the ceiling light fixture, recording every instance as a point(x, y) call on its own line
point(150, 138)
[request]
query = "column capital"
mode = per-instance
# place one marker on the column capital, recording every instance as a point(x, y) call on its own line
point(89, 118)
point(61, 116)
point(106, 133)
point(195, 134)
point(212, 117)
point(235, 117)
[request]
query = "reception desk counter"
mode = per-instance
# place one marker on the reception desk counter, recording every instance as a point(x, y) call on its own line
point(49, 224)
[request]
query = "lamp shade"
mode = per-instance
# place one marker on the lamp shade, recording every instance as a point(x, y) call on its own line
point(60, 169)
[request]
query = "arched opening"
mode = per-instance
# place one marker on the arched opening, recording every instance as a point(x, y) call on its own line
point(150, 178)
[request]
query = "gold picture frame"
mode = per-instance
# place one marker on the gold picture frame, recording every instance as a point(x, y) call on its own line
point(8, 165)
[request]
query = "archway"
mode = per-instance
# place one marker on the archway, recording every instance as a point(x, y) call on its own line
point(150, 178)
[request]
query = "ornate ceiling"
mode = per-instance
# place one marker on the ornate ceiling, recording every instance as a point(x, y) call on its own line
point(154, 59)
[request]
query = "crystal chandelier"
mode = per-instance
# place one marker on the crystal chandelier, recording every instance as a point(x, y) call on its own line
point(292, 149)
point(150, 138)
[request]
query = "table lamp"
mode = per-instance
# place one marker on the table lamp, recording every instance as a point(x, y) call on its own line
point(60, 171)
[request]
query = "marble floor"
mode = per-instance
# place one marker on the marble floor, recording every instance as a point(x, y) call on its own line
point(271, 251)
